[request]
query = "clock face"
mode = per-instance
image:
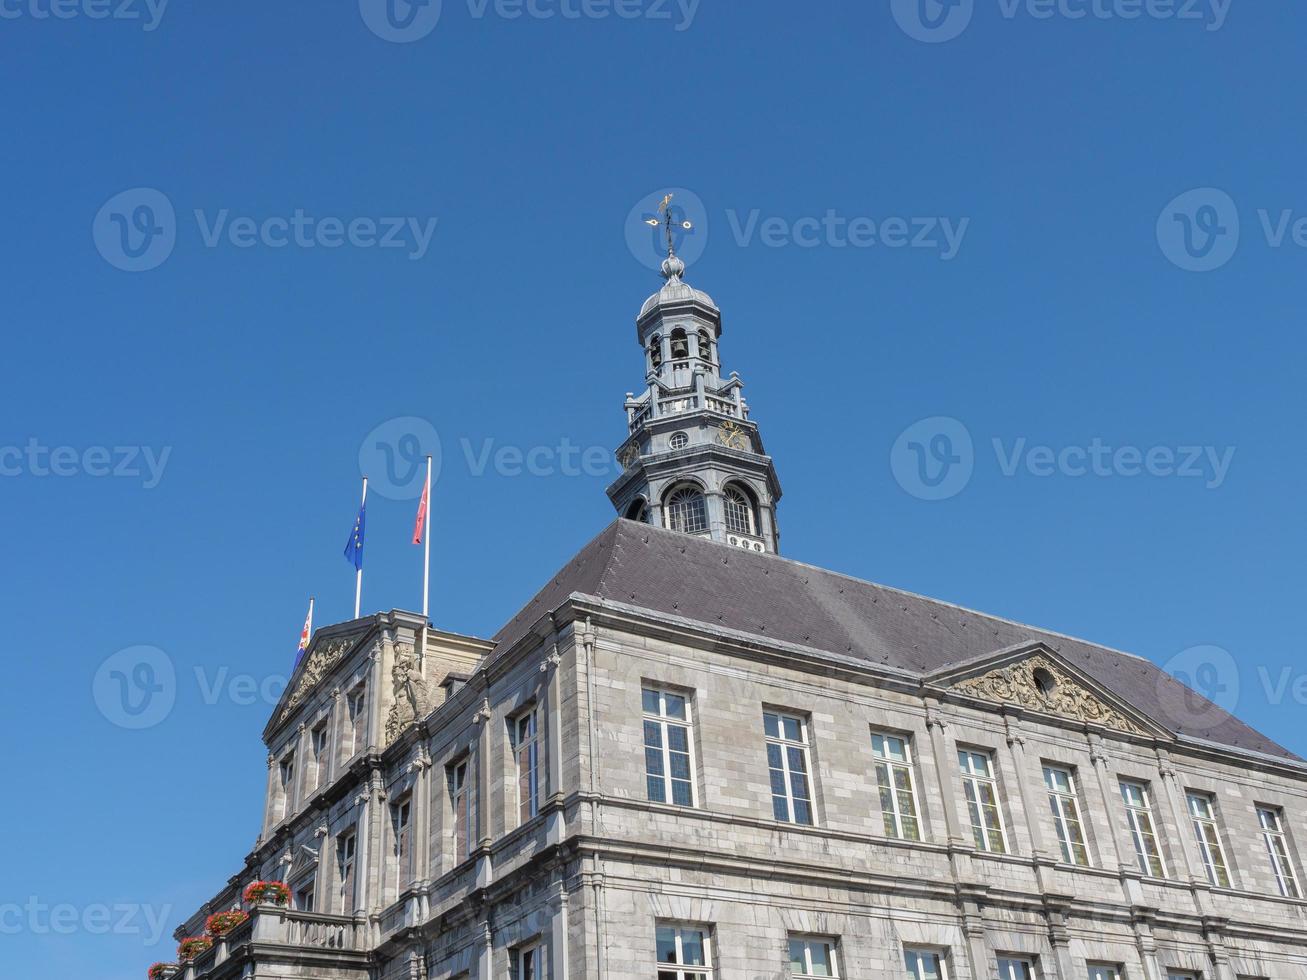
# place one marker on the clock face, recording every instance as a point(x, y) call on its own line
point(732, 436)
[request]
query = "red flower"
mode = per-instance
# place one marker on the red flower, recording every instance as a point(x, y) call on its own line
point(159, 970)
point(275, 892)
point(221, 923)
point(193, 946)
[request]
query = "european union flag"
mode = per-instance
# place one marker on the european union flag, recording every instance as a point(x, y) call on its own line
point(354, 547)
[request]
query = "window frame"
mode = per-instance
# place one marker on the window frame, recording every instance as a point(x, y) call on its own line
point(1136, 813)
point(532, 952)
point(526, 738)
point(1110, 971)
point(306, 884)
point(679, 969)
point(356, 715)
point(1060, 801)
point(784, 746)
point(1282, 865)
point(1211, 849)
point(320, 750)
point(664, 723)
point(347, 868)
point(832, 943)
point(462, 800)
point(286, 777)
point(1027, 962)
point(940, 957)
point(734, 496)
point(401, 824)
point(972, 784)
point(890, 787)
point(693, 498)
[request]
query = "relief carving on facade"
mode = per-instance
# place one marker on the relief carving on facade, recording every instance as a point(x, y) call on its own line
point(1040, 685)
point(410, 698)
point(324, 656)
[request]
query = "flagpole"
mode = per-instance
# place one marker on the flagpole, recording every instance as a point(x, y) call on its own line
point(358, 575)
point(426, 564)
point(310, 618)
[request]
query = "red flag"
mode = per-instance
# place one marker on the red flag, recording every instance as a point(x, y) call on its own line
point(420, 525)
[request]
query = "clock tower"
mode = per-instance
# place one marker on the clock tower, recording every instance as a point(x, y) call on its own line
point(693, 461)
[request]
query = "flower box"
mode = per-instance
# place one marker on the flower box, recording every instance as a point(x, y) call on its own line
point(161, 971)
point(221, 923)
point(193, 946)
point(267, 892)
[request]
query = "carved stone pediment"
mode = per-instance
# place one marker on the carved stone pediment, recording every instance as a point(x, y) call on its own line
point(1039, 684)
point(324, 656)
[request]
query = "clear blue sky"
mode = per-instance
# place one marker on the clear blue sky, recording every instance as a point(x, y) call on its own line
point(1063, 318)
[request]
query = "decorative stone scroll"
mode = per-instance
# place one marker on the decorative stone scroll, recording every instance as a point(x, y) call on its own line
point(324, 656)
point(411, 699)
point(1040, 685)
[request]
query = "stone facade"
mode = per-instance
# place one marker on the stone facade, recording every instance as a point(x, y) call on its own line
point(587, 879)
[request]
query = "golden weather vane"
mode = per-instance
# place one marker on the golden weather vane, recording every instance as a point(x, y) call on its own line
point(666, 208)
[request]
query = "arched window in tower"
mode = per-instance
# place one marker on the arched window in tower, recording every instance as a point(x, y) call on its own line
point(741, 516)
point(638, 511)
point(655, 352)
point(686, 510)
point(705, 346)
point(680, 344)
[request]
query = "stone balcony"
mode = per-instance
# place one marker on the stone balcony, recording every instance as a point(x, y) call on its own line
point(296, 942)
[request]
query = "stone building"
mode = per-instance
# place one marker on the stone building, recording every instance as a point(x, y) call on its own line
point(690, 758)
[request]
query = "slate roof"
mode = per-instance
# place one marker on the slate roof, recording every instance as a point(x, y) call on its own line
point(778, 599)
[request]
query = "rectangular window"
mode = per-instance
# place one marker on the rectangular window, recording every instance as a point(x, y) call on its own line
point(304, 895)
point(668, 754)
point(346, 848)
point(401, 818)
point(526, 755)
point(1139, 821)
point(981, 790)
point(1010, 968)
point(813, 956)
point(787, 758)
point(1104, 971)
point(461, 795)
point(684, 953)
point(528, 963)
point(1065, 804)
point(1271, 820)
point(356, 707)
point(924, 964)
point(1173, 975)
point(318, 740)
point(896, 785)
point(287, 784)
point(1202, 813)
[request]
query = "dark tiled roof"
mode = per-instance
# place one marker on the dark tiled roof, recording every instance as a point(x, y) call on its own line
point(778, 599)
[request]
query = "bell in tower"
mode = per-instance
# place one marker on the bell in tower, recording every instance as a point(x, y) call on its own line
point(693, 461)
